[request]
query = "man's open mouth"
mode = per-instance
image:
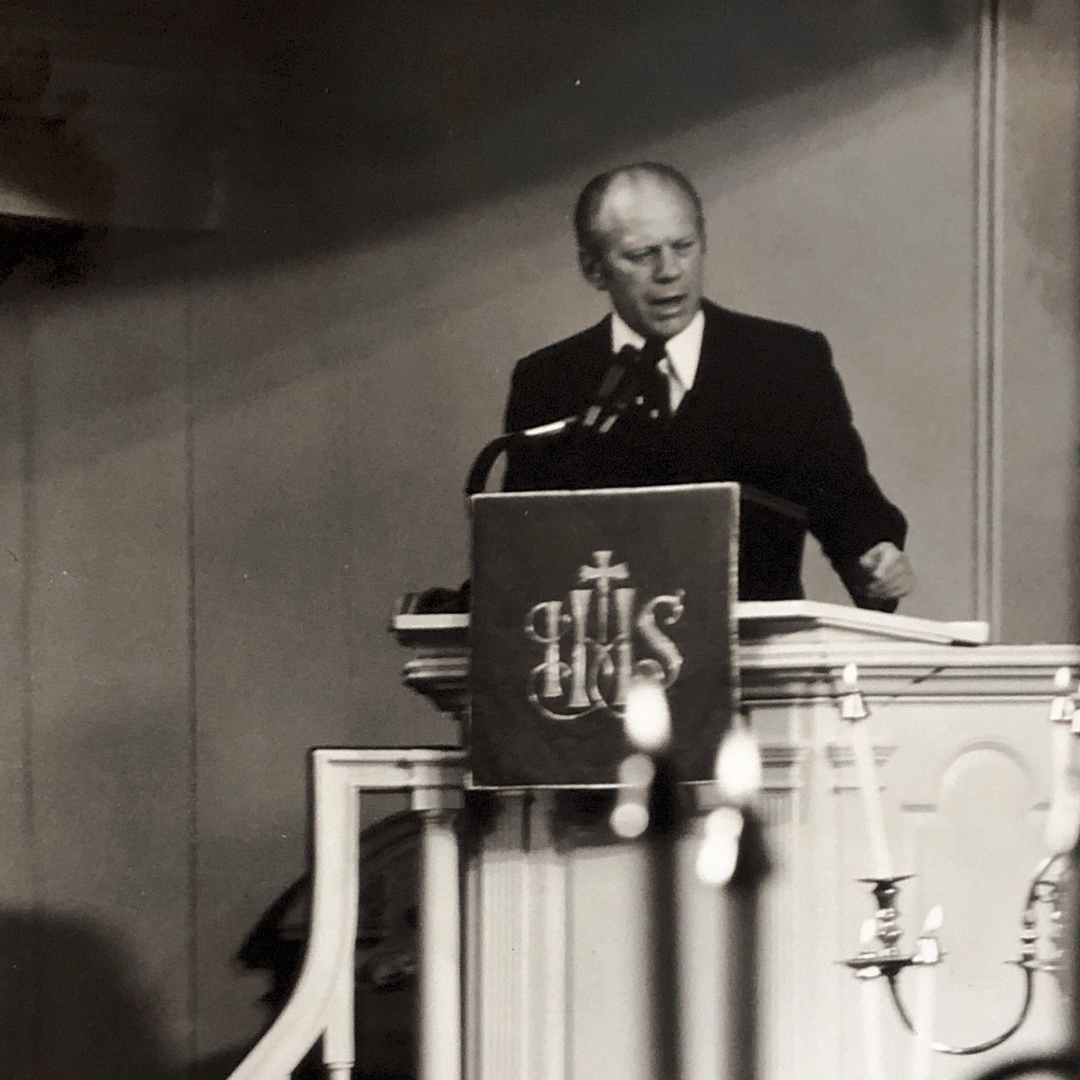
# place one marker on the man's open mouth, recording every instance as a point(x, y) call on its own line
point(668, 303)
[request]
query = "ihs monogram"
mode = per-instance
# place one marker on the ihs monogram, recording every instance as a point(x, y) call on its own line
point(600, 625)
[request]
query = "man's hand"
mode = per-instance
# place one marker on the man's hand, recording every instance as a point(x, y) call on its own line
point(888, 572)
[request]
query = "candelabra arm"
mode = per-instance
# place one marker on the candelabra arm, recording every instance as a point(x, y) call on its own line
point(975, 1048)
point(1040, 879)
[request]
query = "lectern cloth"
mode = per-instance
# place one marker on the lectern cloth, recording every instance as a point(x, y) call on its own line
point(573, 596)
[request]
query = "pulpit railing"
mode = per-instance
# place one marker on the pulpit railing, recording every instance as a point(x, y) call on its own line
point(322, 1005)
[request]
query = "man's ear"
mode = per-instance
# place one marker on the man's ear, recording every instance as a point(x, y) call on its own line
point(592, 268)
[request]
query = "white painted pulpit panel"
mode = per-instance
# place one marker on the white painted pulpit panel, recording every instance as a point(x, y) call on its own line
point(608, 998)
point(962, 744)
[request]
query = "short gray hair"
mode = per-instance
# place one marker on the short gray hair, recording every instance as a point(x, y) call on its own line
point(587, 209)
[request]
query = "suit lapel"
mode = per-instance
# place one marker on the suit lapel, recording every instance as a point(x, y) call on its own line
point(596, 352)
point(716, 350)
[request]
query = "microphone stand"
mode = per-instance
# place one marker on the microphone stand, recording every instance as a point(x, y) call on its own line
point(612, 399)
point(597, 419)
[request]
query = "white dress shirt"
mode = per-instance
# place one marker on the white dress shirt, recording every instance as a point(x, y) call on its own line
point(681, 353)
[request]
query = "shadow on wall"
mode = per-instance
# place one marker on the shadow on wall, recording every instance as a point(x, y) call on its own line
point(78, 1010)
point(458, 102)
point(392, 112)
point(397, 115)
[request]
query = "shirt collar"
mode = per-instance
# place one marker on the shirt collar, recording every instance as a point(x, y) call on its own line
point(683, 350)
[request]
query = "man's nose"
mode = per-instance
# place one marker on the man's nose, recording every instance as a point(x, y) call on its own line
point(667, 267)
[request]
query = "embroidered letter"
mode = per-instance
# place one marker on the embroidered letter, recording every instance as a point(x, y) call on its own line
point(552, 610)
point(670, 657)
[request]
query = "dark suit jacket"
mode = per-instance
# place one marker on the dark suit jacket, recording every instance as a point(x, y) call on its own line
point(767, 408)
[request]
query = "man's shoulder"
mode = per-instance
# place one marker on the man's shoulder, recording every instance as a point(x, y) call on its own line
point(558, 380)
point(594, 341)
point(574, 353)
point(738, 323)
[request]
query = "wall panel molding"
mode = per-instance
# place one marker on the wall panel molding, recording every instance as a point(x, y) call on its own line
point(990, 127)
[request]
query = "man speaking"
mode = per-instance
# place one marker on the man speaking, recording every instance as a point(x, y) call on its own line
point(688, 392)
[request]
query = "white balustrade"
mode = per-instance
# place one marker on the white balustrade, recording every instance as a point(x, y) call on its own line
point(322, 1004)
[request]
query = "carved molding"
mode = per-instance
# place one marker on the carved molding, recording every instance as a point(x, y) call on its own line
point(781, 763)
point(841, 756)
point(810, 671)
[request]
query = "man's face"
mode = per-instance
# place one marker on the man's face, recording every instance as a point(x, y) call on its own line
point(652, 257)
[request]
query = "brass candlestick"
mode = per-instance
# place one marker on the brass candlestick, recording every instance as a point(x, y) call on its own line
point(889, 961)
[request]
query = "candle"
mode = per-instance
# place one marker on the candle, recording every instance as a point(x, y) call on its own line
point(647, 716)
point(870, 1001)
point(1064, 816)
point(630, 818)
point(738, 765)
point(648, 806)
point(738, 776)
point(927, 956)
point(867, 773)
point(719, 851)
point(1063, 823)
point(735, 854)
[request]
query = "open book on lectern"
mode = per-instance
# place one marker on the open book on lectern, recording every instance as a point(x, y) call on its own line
point(577, 593)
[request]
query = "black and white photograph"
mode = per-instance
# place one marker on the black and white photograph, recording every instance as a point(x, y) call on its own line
point(540, 540)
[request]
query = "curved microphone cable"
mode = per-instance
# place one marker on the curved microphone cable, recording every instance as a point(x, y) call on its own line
point(619, 386)
point(598, 419)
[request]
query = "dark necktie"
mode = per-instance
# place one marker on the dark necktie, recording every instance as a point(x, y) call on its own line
point(652, 382)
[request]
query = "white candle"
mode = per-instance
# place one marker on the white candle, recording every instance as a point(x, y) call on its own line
point(871, 794)
point(738, 765)
point(647, 717)
point(1060, 745)
point(1061, 822)
point(1061, 732)
point(738, 775)
point(868, 781)
point(870, 1000)
point(926, 983)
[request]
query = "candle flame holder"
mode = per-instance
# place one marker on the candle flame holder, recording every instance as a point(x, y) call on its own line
point(888, 961)
point(1044, 891)
point(1064, 1062)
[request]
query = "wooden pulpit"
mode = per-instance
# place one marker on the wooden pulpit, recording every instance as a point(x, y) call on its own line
point(555, 985)
point(542, 977)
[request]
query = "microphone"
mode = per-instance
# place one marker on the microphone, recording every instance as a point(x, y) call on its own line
point(598, 419)
point(608, 404)
point(617, 389)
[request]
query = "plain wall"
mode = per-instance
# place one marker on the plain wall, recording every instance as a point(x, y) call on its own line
point(226, 455)
point(1040, 296)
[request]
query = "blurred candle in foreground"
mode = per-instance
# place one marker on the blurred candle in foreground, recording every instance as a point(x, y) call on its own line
point(647, 716)
point(738, 765)
point(630, 818)
point(648, 806)
point(870, 1002)
point(927, 955)
point(737, 772)
point(854, 711)
point(719, 850)
point(734, 854)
